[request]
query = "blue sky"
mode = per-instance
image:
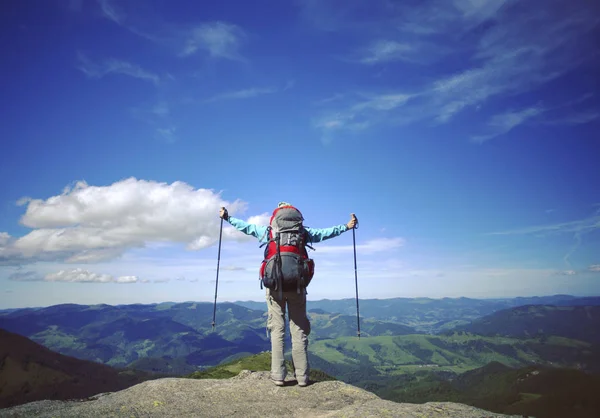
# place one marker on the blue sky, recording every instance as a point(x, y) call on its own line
point(463, 133)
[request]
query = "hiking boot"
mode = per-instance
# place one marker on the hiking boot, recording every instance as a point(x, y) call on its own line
point(303, 384)
point(278, 382)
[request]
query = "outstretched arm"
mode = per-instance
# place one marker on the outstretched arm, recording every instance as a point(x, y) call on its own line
point(257, 231)
point(322, 234)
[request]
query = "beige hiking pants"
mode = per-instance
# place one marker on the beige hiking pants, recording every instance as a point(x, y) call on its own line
point(299, 330)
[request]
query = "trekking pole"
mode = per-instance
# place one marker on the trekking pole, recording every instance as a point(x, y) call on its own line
point(356, 275)
point(217, 281)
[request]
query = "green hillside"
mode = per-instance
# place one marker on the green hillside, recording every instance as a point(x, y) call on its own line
point(456, 353)
point(530, 391)
point(326, 325)
point(167, 337)
point(257, 362)
point(30, 372)
point(577, 322)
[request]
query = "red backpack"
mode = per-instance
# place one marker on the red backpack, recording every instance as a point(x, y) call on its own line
point(286, 265)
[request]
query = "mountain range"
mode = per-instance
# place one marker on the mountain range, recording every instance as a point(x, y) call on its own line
point(450, 344)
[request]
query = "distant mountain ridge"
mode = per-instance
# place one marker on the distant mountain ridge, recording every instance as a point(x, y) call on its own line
point(575, 322)
point(173, 338)
point(431, 316)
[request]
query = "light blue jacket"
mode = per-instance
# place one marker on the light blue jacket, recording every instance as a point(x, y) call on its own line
point(260, 232)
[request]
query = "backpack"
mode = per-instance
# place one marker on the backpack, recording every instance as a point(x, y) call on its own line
point(286, 265)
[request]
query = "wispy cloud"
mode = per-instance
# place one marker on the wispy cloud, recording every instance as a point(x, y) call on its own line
point(382, 51)
point(160, 117)
point(504, 122)
point(370, 247)
point(112, 66)
point(85, 276)
point(504, 49)
point(567, 273)
point(574, 118)
point(585, 225)
point(233, 268)
point(71, 276)
point(167, 135)
point(25, 276)
point(243, 94)
point(594, 267)
point(578, 229)
point(110, 12)
point(250, 92)
point(366, 110)
point(219, 39)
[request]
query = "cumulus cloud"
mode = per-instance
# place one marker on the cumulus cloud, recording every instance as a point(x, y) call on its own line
point(594, 268)
point(219, 39)
point(94, 223)
point(4, 237)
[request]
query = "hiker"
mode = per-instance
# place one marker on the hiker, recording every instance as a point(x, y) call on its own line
point(285, 272)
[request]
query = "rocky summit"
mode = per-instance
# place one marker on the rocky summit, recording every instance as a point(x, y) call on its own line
point(250, 394)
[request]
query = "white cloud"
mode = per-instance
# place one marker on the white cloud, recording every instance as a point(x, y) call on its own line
point(365, 110)
point(262, 219)
point(84, 276)
point(4, 238)
point(370, 247)
point(93, 223)
point(574, 118)
point(243, 94)
point(72, 276)
point(94, 256)
point(113, 66)
point(110, 12)
point(219, 39)
point(505, 122)
point(594, 268)
point(585, 225)
point(166, 134)
point(505, 48)
point(161, 109)
point(382, 51)
point(233, 268)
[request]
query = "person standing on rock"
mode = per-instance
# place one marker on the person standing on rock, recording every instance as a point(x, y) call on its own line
point(285, 272)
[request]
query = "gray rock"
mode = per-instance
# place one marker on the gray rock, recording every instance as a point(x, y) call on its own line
point(250, 394)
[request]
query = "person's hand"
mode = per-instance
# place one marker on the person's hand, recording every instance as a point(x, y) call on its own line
point(353, 221)
point(223, 214)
